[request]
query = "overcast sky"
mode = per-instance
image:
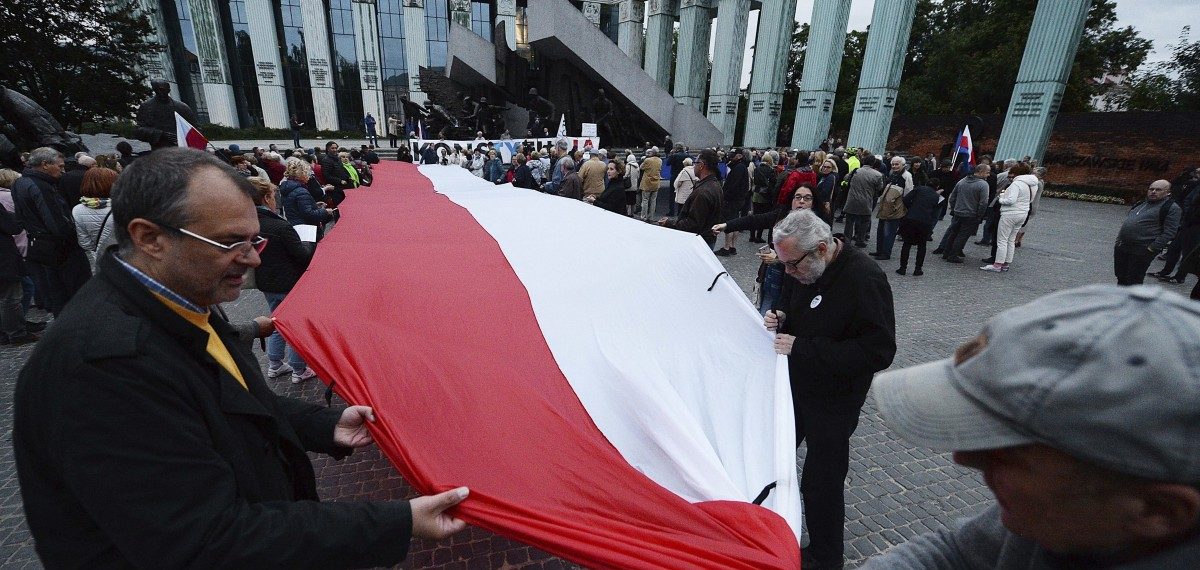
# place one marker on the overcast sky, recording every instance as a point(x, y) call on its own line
point(1158, 21)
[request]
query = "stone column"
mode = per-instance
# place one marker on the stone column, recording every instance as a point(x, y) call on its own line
point(1045, 67)
point(883, 63)
point(366, 48)
point(320, 69)
point(691, 67)
point(591, 11)
point(460, 13)
point(271, 90)
point(776, 19)
point(822, 64)
point(631, 14)
point(506, 13)
point(214, 70)
point(732, 17)
point(660, 16)
point(159, 65)
point(416, 50)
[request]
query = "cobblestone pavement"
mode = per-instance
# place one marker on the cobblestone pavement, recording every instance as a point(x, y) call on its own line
point(895, 491)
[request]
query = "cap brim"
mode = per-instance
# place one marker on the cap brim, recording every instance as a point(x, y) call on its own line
point(924, 405)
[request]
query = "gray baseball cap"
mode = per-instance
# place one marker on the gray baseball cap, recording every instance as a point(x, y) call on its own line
point(1107, 374)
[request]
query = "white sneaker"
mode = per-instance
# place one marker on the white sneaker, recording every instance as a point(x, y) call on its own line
point(991, 268)
point(298, 377)
point(277, 371)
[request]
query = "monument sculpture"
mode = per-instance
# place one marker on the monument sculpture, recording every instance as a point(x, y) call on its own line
point(156, 117)
point(25, 125)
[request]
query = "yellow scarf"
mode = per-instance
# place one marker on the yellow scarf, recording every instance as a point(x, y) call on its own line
point(216, 348)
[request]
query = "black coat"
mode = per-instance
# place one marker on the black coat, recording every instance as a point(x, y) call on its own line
point(69, 183)
point(41, 209)
point(134, 448)
point(848, 337)
point(10, 259)
point(523, 178)
point(299, 206)
point(922, 203)
point(613, 196)
point(335, 174)
point(737, 183)
point(284, 259)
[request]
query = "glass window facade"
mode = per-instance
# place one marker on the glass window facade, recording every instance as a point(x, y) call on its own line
point(346, 84)
point(481, 20)
point(610, 20)
point(394, 66)
point(191, 60)
point(243, 60)
point(437, 32)
point(295, 62)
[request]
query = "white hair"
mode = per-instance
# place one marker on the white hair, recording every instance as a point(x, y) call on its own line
point(566, 163)
point(805, 230)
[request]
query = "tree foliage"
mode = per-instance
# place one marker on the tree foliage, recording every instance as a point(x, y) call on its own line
point(1170, 85)
point(963, 57)
point(80, 59)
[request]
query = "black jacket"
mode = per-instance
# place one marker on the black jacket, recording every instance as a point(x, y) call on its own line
point(41, 210)
point(299, 206)
point(922, 204)
point(134, 448)
point(848, 337)
point(284, 259)
point(69, 183)
point(10, 259)
point(737, 183)
point(613, 196)
point(702, 209)
point(335, 173)
point(523, 178)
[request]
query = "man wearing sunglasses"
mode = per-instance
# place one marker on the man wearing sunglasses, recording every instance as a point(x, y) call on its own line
point(144, 432)
point(837, 327)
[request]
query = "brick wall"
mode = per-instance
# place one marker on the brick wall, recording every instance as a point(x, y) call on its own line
point(1116, 153)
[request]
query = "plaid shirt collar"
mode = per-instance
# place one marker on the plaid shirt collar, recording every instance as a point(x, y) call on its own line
point(156, 287)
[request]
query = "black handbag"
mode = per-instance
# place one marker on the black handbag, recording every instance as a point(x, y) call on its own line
point(45, 250)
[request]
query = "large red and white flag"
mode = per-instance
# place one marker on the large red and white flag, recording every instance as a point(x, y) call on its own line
point(608, 394)
point(187, 135)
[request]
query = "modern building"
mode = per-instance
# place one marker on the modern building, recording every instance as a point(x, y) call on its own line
point(330, 62)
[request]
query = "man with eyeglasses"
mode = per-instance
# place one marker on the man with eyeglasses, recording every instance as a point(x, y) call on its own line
point(837, 327)
point(144, 432)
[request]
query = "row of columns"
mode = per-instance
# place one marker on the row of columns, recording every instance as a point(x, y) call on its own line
point(1045, 67)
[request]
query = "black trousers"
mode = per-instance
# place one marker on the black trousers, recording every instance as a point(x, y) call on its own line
point(961, 230)
point(908, 245)
point(760, 209)
point(392, 140)
point(1180, 246)
point(1130, 263)
point(826, 424)
point(62, 281)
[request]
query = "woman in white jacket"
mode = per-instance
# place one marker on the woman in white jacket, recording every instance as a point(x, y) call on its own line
point(93, 214)
point(1014, 208)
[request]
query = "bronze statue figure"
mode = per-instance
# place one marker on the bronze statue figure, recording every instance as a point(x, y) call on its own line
point(156, 117)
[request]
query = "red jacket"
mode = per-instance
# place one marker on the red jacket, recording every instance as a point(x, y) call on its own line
point(793, 181)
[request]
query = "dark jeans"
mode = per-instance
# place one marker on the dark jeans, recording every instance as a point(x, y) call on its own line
point(885, 237)
point(955, 239)
point(1180, 246)
point(63, 281)
point(392, 140)
point(857, 228)
point(12, 318)
point(1130, 263)
point(990, 225)
point(826, 426)
point(760, 209)
point(296, 138)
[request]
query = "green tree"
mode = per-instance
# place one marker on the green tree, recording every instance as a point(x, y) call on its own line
point(80, 59)
point(1170, 85)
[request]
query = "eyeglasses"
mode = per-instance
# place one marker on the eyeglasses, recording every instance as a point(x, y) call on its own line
point(257, 243)
point(795, 265)
point(804, 198)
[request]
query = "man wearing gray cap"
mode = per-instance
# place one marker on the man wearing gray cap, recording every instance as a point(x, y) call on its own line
point(1082, 410)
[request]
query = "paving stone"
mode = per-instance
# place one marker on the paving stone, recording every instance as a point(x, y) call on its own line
point(896, 490)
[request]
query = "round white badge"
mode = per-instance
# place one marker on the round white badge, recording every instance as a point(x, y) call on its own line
point(816, 301)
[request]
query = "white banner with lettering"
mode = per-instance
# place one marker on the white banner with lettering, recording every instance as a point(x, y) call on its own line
point(505, 147)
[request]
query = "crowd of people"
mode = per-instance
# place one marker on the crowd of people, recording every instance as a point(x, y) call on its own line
point(156, 243)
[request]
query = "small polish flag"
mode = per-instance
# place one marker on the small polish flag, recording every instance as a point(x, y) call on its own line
point(187, 135)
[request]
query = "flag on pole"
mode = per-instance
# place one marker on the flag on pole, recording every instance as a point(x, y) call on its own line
point(562, 126)
point(964, 150)
point(187, 135)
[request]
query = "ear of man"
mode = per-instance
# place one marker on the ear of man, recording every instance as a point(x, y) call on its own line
point(148, 238)
point(1164, 511)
